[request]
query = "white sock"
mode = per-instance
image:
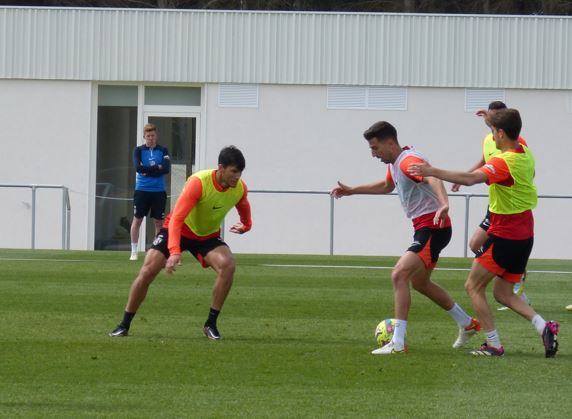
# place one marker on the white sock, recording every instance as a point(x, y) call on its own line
point(538, 322)
point(399, 332)
point(133, 247)
point(460, 316)
point(493, 339)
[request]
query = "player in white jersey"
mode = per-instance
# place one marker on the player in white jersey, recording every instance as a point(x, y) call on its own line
point(425, 202)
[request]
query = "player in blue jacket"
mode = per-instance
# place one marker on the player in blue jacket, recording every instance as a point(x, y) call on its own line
point(152, 163)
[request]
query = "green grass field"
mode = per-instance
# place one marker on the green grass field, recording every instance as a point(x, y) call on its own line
point(297, 343)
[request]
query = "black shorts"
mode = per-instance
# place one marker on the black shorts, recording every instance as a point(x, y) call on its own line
point(154, 201)
point(486, 223)
point(505, 257)
point(198, 248)
point(428, 243)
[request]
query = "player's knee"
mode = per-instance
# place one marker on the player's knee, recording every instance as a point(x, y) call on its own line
point(227, 266)
point(398, 275)
point(470, 287)
point(475, 246)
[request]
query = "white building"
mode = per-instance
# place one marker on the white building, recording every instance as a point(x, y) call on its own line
point(294, 91)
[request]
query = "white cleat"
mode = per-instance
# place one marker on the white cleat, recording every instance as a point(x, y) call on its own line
point(134, 256)
point(390, 349)
point(466, 333)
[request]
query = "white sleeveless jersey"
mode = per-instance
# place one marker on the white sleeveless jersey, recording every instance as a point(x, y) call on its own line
point(417, 198)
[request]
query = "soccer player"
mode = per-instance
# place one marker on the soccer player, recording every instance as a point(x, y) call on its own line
point(512, 196)
point(425, 201)
point(152, 163)
point(490, 150)
point(194, 225)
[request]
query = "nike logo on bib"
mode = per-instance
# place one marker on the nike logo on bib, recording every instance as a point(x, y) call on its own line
point(215, 207)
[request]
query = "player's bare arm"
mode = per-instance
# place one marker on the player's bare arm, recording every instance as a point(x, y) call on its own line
point(375, 188)
point(463, 178)
point(480, 163)
point(439, 189)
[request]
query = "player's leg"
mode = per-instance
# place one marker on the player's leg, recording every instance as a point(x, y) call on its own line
point(140, 209)
point(158, 204)
point(221, 260)
point(476, 285)
point(477, 240)
point(513, 255)
point(407, 266)
point(480, 235)
point(427, 247)
point(154, 262)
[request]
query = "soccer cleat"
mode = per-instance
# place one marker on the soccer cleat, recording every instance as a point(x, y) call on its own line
point(390, 349)
point(549, 338)
point(134, 256)
point(466, 333)
point(486, 350)
point(211, 332)
point(119, 331)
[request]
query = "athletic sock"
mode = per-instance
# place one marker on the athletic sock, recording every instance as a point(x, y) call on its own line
point(399, 332)
point(213, 315)
point(493, 339)
point(133, 247)
point(460, 316)
point(539, 323)
point(127, 317)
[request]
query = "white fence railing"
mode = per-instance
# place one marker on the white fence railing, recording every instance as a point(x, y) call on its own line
point(66, 210)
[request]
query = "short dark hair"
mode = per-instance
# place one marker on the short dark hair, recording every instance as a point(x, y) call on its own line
point(232, 156)
point(381, 130)
point(496, 105)
point(509, 121)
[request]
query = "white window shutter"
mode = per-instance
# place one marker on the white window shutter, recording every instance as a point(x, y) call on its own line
point(387, 98)
point(347, 97)
point(476, 99)
point(238, 96)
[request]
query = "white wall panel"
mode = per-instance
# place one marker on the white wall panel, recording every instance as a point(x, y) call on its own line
point(286, 48)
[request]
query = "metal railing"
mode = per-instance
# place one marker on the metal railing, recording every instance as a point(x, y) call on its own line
point(467, 197)
point(66, 210)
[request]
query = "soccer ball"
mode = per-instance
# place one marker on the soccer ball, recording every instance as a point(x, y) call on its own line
point(384, 331)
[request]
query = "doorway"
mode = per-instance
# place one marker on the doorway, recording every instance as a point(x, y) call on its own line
point(177, 132)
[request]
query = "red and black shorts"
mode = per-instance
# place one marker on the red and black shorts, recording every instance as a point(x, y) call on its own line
point(428, 243)
point(505, 257)
point(198, 248)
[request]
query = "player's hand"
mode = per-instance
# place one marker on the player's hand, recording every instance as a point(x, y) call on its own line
point(482, 113)
point(455, 187)
point(173, 261)
point(341, 190)
point(239, 228)
point(419, 169)
point(441, 216)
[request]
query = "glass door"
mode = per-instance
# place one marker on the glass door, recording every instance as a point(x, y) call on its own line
point(177, 132)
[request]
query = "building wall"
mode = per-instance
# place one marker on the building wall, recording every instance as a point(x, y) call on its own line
point(46, 140)
point(202, 46)
point(292, 142)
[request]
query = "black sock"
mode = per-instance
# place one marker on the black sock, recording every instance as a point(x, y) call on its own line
point(213, 315)
point(127, 317)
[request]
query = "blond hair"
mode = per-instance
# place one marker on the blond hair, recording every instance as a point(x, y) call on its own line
point(149, 128)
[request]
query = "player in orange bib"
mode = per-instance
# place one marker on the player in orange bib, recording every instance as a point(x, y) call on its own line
point(425, 202)
point(194, 225)
point(503, 257)
point(490, 150)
